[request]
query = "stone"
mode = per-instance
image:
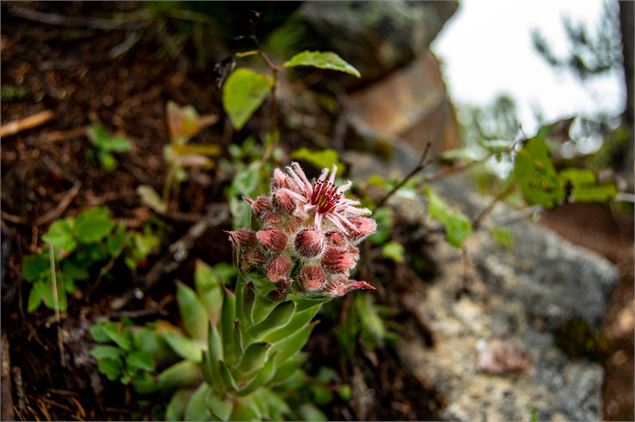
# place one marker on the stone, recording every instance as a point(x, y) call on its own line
point(520, 296)
point(375, 37)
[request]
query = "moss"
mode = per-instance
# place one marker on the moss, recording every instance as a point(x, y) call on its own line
point(578, 339)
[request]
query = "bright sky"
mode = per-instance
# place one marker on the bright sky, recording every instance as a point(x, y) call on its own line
point(486, 50)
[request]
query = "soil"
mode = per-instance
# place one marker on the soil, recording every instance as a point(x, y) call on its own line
point(67, 69)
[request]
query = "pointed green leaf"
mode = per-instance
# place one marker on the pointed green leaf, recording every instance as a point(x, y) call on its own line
point(118, 333)
point(227, 375)
point(112, 368)
point(262, 377)
point(277, 406)
point(298, 321)
point(310, 412)
point(322, 60)
point(222, 409)
point(246, 409)
point(151, 198)
point(185, 347)
point(192, 311)
point(197, 409)
point(254, 357)
point(179, 375)
point(228, 315)
point(294, 343)
point(176, 407)
point(243, 93)
point(147, 340)
point(286, 369)
point(278, 317)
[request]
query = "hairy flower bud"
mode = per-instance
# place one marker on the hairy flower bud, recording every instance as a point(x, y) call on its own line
point(363, 228)
point(312, 277)
point(309, 243)
point(274, 240)
point(340, 285)
point(242, 237)
point(283, 201)
point(278, 268)
point(258, 206)
point(280, 180)
point(251, 257)
point(336, 238)
point(337, 260)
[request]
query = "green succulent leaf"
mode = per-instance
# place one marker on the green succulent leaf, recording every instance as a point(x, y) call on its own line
point(197, 409)
point(243, 93)
point(228, 315)
point(294, 343)
point(193, 313)
point(222, 409)
point(322, 60)
point(299, 320)
point(286, 370)
point(145, 383)
point(185, 347)
point(246, 409)
point(147, 340)
point(277, 318)
point(254, 357)
point(262, 377)
point(457, 226)
point(180, 375)
point(175, 410)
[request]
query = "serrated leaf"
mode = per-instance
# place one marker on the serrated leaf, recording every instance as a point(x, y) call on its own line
point(243, 93)
point(457, 226)
point(393, 251)
point(185, 347)
point(322, 60)
point(193, 313)
point(93, 225)
point(60, 235)
point(324, 158)
point(180, 375)
point(197, 409)
point(222, 409)
point(140, 360)
point(175, 410)
point(536, 176)
point(35, 266)
point(151, 198)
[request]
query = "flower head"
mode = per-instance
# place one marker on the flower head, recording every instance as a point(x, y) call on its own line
point(307, 237)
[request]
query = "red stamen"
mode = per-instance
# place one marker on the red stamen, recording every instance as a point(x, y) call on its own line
point(325, 197)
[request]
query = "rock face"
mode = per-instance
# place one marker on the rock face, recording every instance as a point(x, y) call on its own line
point(375, 37)
point(518, 296)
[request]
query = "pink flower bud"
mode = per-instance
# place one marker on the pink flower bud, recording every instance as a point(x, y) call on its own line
point(312, 277)
point(283, 201)
point(260, 205)
point(278, 268)
point(242, 237)
point(337, 260)
point(340, 285)
point(251, 257)
point(279, 180)
point(272, 239)
point(309, 243)
point(336, 238)
point(364, 227)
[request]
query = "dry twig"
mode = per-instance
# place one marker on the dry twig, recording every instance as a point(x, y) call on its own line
point(420, 166)
point(25, 123)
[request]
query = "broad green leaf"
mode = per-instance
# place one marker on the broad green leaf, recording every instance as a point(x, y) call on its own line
point(457, 226)
point(180, 375)
point(36, 266)
point(197, 409)
point(176, 407)
point(45, 288)
point(93, 225)
point(140, 360)
point(325, 158)
point(585, 188)
point(151, 198)
point(222, 409)
point(145, 383)
point(147, 340)
point(243, 93)
point(102, 352)
point(60, 235)
point(193, 313)
point(118, 333)
point(322, 60)
point(185, 347)
point(98, 333)
point(393, 251)
point(35, 297)
point(536, 176)
point(112, 368)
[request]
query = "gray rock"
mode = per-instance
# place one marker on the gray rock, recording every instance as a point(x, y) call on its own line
point(375, 36)
point(519, 295)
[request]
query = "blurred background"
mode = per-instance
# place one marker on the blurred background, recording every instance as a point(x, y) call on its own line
point(451, 74)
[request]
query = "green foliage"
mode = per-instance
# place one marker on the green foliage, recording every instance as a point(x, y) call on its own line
point(325, 158)
point(104, 145)
point(385, 220)
point(535, 175)
point(394, 251)
point(584, 186)
point(11, 93)
point(322, 60)
point(457, 226)
point(81, 243)
point(502, 236)
point(243, 93)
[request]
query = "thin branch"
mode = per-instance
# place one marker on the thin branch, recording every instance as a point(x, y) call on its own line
point(25, 123)
point(478, 221)
point(420, 166)
point(61, 206)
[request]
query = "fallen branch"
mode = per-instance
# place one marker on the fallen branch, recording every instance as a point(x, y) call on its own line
point(30, 122)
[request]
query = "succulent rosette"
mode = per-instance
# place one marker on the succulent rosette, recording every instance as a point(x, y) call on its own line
point(308, 235)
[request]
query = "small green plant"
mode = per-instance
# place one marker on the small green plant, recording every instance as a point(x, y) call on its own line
point(79, 244)
point(104, 145)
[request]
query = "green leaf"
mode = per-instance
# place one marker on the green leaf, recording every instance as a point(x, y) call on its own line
point(93, 225)
point(112, 368)
point(147, 340)
point(536, 176)
point(176, 407)
point(151, 198)
point(299, 320)
point(140, 360)
point(180, 375)
point(277, 406)
point(98, 333)
point(243, 93)
point(585, 188)
point(322, 60)
point(106, 142)
point(222, 409)
point(228, 315)
point(74, 270)
point(45, 292)
point(370, 319)
point(502, 236)
point(118, 333)
point(103, 352)
point(325, 158)
point(394, 251)
point(286, 369)
point(262, 377)
point(278, 317)
point(193, 313)
point(60, 235)
point(457, 226)
point(209, 287)
point(35, 266)
point(495, 145)
point(384, 219)
point(253, 358)
point(185, 347)
point(145, 383)
point(197, 409)
point(246, 409)
point(294, 343)
point(310, 412)
point(35, 297)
